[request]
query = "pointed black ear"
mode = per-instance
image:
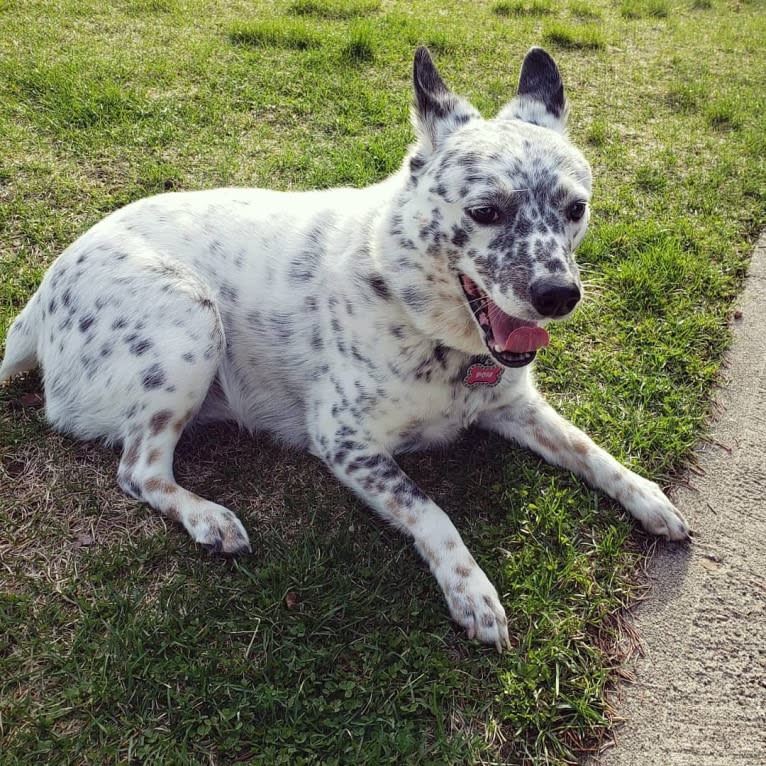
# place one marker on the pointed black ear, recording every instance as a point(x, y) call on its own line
point(437, 111)
point(540, 96)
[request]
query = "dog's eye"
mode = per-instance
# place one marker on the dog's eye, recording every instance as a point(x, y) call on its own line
point(484, 214)
point(576, 211)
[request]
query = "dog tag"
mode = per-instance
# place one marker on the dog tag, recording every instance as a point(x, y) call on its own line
point(483, 375)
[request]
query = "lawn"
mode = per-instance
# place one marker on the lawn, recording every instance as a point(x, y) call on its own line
point(120, 642)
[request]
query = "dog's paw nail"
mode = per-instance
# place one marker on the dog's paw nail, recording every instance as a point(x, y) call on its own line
point(214, 547)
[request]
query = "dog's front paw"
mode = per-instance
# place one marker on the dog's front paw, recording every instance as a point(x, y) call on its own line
point(658, 515)
point(474, 604)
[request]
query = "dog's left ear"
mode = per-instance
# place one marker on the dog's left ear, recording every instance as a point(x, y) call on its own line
point(436, 111)
point(540, 97)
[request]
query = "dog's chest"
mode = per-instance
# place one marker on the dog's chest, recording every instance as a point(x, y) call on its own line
point(436, 403)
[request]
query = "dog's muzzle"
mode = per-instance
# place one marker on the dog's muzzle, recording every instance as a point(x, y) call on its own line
point(511, 341)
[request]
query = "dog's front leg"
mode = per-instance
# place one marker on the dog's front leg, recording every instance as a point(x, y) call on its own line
point(375, 476)
point(533, 423)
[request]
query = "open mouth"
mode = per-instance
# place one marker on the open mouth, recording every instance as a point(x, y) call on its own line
point(512, 342)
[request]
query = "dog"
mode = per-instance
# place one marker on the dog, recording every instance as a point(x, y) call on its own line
point(355, 323)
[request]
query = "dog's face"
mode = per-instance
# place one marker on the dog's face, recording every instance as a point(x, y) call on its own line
point(498, 207)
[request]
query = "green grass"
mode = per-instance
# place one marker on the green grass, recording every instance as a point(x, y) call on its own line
point(639, 9)
point(361, 44)
point(584, 11)
point(274, 34)
point(119, 641)
point(334, 9)
point(584, 37)
point(523, 7)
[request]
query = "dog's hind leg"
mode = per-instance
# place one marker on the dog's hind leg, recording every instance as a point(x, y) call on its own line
point(146, 472)
point(129, 356)
point(161, 411)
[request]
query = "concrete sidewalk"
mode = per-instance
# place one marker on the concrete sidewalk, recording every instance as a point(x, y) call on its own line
point(699, 698)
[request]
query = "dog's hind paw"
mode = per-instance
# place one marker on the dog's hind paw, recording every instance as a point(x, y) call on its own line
point(218, 531)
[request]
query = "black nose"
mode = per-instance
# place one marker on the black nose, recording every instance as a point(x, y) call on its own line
point(554, 299)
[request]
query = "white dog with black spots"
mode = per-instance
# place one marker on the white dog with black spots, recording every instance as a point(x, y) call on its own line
point(355, 323)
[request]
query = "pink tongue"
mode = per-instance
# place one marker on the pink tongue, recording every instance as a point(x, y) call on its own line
point(525, 339)
point(520, 337)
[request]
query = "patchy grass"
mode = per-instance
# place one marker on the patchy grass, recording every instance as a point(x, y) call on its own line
point(598, 133)
point(639, 9)
point(584, 11)
point(334, 9)
point(360, 47)
point(523, 8)
point(582, 37)
point(723, 114)
point(276, 34)
point(119, 641)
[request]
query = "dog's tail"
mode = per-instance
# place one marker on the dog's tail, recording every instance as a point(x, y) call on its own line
point(21, 341)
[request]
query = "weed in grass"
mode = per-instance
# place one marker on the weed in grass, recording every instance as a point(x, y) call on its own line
point(639, 9)
point(275, 34)
point(360, 47)
point(157, 177)
point(523, 8)
point(723, 114)
point(334, 9)
point(152, 6)
point(584, 11)
point(585, 37)
point(685, 96)
point(650, 179)
point(416, 31)
point(597, 132)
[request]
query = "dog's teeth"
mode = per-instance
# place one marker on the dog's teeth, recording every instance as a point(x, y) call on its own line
point(498, 349)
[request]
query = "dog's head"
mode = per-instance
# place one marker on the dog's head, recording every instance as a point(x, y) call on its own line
point(495, 209)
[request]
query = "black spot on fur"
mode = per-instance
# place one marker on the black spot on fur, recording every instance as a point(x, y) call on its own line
point(414, 298)
point(416, 163)
point(459, 236)
point(86, 322)
point(379, 287)
point(140, 347)
point(282, 325)
point(229, 293)
point(153, 377)
point(440, 355)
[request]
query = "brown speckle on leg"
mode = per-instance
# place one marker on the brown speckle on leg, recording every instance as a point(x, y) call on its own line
point(130, 456)
point(159, 421)
point(160, 485)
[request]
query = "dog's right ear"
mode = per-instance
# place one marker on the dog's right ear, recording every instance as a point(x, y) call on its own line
point(436, 111)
